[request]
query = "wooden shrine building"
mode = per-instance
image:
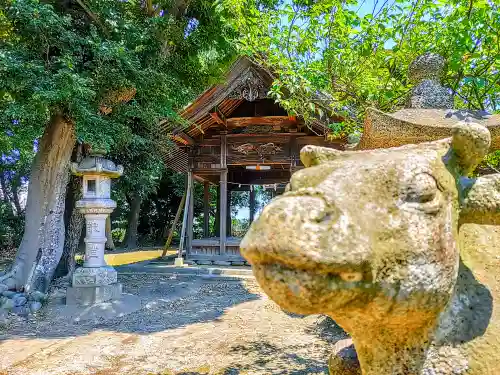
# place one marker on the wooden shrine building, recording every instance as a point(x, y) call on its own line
point(237, 137)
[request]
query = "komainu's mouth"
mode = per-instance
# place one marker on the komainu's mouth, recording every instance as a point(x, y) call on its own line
point(306, 292)
point(327, 280)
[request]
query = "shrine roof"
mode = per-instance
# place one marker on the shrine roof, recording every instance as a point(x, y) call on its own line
point(244, 82)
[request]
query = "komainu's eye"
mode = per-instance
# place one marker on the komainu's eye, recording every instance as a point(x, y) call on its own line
point(423, 188)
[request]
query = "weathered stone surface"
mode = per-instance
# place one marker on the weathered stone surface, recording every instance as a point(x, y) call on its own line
point(4, 318)
point(38, 296)
point(10, 282)
point(370, 239)
point(7, 304)
point(19, 300)
point(85, 296)
point(221, 263)
point(429, 115)
point(35, 306)
point(127, 304)
point(425, 72)
point(88, 276)
point(406, 126)
point(9, 293)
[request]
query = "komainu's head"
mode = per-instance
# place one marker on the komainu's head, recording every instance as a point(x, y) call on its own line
point(369, 238)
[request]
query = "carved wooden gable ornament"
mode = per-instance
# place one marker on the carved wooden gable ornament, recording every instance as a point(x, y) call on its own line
point(249, 86)
point(262, 150)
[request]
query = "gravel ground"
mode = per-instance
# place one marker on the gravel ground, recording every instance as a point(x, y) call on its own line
point(187, 326)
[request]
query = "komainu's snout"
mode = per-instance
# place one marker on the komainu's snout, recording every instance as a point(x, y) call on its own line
point(369, 238)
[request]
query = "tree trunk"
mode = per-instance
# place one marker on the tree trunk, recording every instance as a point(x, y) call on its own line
point(74, 220)
point(133, 222)
point(5, 189)
point(43, 239)
point(110, 245)
point(15, 199)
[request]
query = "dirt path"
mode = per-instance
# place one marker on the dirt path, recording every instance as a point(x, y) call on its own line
point(186, 327)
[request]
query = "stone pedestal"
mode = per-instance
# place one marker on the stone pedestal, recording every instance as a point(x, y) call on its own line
point(85, 296)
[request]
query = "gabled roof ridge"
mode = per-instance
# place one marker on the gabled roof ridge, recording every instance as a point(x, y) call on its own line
point(215, 94)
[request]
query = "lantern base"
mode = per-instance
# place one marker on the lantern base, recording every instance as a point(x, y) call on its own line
point(94, 276)
point(91, 295)
point(93, 285)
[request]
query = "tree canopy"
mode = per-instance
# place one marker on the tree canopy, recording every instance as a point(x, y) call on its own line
point(330, 58)
point(90, 58)
point(103, 72)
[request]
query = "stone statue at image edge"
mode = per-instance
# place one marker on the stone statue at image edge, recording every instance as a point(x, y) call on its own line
point(385, 242)
point(370, 238)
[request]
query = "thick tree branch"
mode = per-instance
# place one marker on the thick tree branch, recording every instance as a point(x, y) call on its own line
point(93, 17)
point(149, 8)
point(471, 5)
point(290, 28)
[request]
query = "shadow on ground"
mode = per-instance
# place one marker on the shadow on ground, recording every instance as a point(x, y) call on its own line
point(266, 358)
point(328, 331)
point(168, 302)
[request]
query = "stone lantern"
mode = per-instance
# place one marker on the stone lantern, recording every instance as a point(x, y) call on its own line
point(95, 282)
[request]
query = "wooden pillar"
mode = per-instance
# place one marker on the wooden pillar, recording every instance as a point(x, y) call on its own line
point(228, 216)
point(217, 213)
point(206, 209)
point(185, 217)
point(223, 192)
point(252, 205)
point(223, 211)
point(189, 241)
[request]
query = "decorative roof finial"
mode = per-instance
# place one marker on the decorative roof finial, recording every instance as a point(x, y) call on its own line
point(425, 72)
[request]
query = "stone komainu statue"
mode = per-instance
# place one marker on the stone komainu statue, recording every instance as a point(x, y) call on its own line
point(371, 238)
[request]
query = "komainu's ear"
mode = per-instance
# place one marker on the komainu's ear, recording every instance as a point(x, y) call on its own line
point(481, 200)
point(315, 155)
point(470, 144)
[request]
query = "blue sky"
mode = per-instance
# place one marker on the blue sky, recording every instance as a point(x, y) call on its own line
point(367, 7)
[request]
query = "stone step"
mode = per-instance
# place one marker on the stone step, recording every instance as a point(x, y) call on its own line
point(208, 272)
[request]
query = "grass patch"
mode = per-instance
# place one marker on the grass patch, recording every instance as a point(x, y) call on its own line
point(120, 259)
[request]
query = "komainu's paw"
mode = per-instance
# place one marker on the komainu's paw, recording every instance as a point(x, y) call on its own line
point(344, 360)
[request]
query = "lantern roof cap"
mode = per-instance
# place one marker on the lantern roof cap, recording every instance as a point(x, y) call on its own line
point(96, 164)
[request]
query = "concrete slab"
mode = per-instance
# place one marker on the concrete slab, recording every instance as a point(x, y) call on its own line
point(127, 304)
point(85, 296)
